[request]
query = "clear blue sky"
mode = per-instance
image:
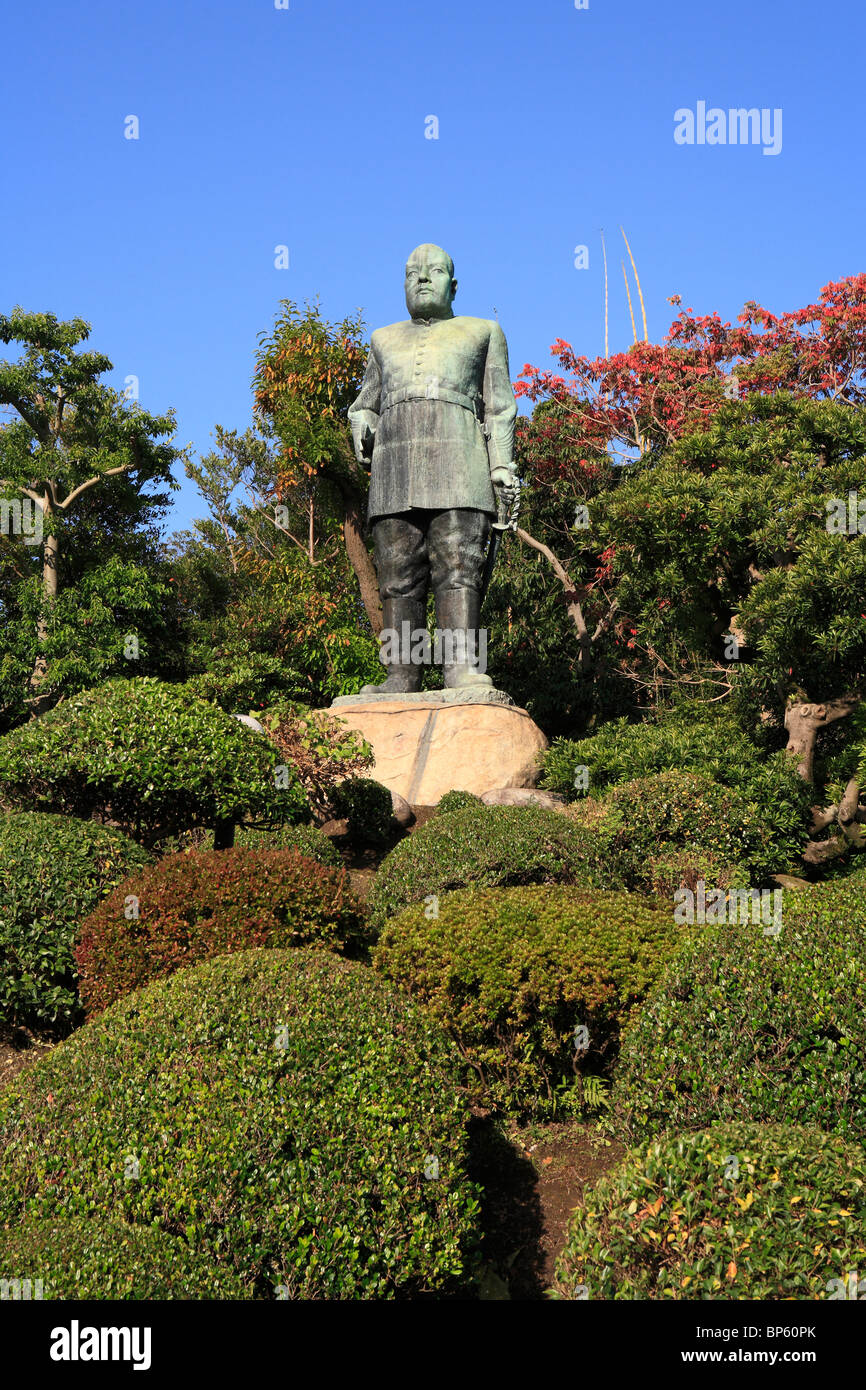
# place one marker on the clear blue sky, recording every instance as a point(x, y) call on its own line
point(306, 127)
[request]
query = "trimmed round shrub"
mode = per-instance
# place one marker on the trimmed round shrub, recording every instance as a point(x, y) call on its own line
point(368, 808)
point(149, 757)
point(98, 1259)
point(532, 983)
point(291, 1115)
point(191, 907)
point(487, 847)
point(747, 1024)
point(54, 870)
point(737, 1211)
point(457, 801)
point(654, 817)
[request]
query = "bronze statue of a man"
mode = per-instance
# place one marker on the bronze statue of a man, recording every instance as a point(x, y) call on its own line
point(434, 422)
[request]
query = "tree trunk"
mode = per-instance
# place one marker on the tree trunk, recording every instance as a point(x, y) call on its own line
point(804, 722)
point(570, 594)
point(359, 556)
point(224, 834)
point(50, 556)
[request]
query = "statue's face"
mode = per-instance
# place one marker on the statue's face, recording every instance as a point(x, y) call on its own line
point(429, 284)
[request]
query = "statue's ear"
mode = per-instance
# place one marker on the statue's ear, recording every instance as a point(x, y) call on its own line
point(453, 288)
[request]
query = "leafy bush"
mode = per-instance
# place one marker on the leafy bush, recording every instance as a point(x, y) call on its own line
point(664, 874)
point(511, 973)
point(194, 906)
point(243, 681)
point(98, 1259)
point(737, 1211)
point(487, 847)
point(754, 1026)
point(320, 748)
point(367, 806)
point(840, 901)
point(691, 741)
point(457, 801)
point(654, 817)
point(620, 751)
point(840, 754)
point(53, 871)
point(290, 1114)
point(306, 839)
point(151, 758)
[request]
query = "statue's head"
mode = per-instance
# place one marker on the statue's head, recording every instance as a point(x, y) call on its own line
point(430, 283)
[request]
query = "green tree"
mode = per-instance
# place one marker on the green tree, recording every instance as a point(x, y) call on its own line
point(734, 580)
point(76, 459)
point(291, 609)
point(308, 372)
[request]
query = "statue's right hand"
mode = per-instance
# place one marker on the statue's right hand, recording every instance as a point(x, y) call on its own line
point(365, 445)
point(363, 441)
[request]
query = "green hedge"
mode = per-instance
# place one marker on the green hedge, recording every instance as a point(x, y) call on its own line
point(737, 1211)
point(291, 1115)
point(511, 973)
point(53, 871)
point(97, 1259)
point(487, 847)
point(150, 758)
point(754, 1026)
point(693, 741)
point(192, 907)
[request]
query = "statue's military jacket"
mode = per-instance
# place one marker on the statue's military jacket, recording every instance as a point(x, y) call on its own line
point(437, 396)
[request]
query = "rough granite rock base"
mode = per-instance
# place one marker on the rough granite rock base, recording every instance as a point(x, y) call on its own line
point(445, 740)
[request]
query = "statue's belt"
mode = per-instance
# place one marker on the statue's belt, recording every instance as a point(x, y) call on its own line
point(431, 393)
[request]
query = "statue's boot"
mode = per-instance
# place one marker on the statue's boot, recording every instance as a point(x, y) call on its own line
point(403, 677)
point(458, 611)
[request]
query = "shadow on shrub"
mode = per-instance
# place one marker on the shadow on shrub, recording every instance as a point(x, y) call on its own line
point(510, 1216)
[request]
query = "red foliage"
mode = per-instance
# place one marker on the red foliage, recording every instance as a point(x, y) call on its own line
point(655, 393)
point(195, 906)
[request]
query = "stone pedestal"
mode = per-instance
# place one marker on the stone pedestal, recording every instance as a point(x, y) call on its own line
point(450, 740)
